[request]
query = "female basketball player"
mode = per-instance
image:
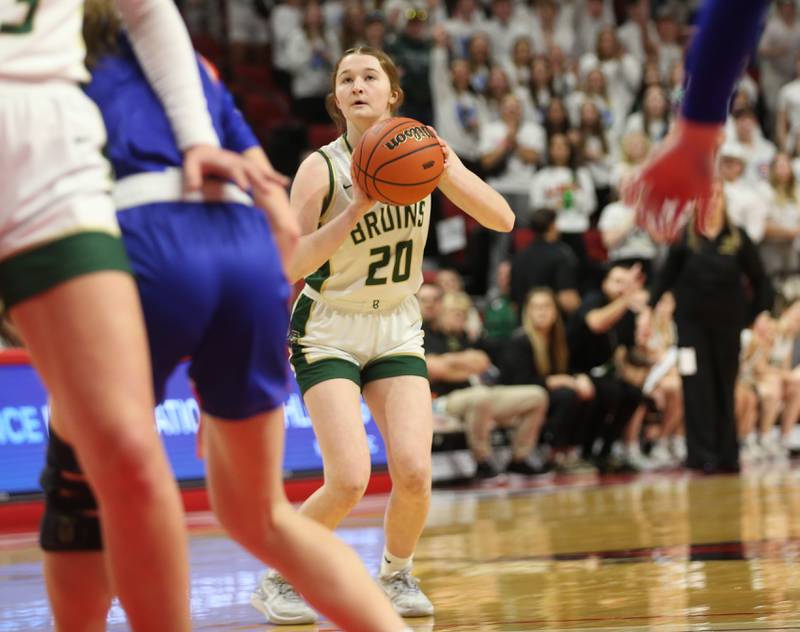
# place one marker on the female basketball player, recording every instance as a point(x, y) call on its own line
point(356, 327)
point(212, 288)
point(66, 283)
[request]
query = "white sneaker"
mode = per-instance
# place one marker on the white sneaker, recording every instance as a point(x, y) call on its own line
point(661, 457)
point(751, 454)
point(678, 448)
point(280, 603)
point(403, 591)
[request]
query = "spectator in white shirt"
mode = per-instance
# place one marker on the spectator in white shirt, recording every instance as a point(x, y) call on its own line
point(779, 250)
point(497, 88)
point(519, 65)
point(746, 202)
point(653, 120)
point(624, 241)
point(595, 148)
point(510, 151)
point(634, 149)
point(547, 29)
point(504, 27)
point(670, 51)
point(590, 18)
point(777, 51)
point(788, 117)
point(479, 58)
point(285, 19)
point(466, 20)
point(556, 119)
point(593, 90)
point(568, 189)
point(541, 88)
point(456, 108)
point(622, 71)
point(638, 34)
point(758, 151)
point(310, 55)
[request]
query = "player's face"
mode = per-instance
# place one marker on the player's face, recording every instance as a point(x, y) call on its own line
point(363, 91)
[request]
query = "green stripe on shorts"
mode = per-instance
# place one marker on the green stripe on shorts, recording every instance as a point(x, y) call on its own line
point(34, 271)
point(308, 374)
point(394, 366)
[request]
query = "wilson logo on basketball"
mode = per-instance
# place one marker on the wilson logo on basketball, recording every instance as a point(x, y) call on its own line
point(417, 133)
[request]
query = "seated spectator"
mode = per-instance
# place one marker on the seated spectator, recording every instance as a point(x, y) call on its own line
point(604, 321)
point(546, 262)
point(625, 242)
point(788, 116)
point(779, 249)
point(462, 378)
point(591, 17)
point(499, 313)
point(429, 297)
point(747, 202)
point(758, 151)
point(634, 150)
point(538, 354)
point(548, 29)
point(541, 87)
point(670, 51)
point(497, 89)
point(564, 186)
point(766, 366)
point(653, 120)
point(450, 282)
point(638, 34)
point(375, 35)
point(556, 119)
point(466, 20)
point(593, 90)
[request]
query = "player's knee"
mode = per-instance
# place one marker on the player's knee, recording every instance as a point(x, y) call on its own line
point(413, 478)
point(350, 487)
point(137, 476)
point(70, 521)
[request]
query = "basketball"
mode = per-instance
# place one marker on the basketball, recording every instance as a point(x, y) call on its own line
point(398, 161)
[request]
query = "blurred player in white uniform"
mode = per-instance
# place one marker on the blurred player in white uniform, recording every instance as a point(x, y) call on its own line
point(65, 279)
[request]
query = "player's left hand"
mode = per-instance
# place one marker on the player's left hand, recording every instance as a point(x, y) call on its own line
point(201, 161)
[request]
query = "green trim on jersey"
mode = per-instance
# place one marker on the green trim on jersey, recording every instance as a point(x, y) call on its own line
point(394, 366)
point(326, 202)
point(347, 143)
point(317, 279)
point(34, 271)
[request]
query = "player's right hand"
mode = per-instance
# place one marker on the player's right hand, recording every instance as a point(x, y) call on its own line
point(675, 181)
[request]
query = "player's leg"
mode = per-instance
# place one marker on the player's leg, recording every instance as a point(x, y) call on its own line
point(335, 410)
point(401, 406)
point(245, 481)
point(79, 590)
point(87, 342)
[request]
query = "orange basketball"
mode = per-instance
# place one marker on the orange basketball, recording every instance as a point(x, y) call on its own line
point(398, 161)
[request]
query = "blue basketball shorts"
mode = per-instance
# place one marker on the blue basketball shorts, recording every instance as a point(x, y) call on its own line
point(212, 289)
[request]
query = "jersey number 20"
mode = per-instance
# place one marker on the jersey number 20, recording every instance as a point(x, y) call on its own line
point(26, 25)
point(402, 263)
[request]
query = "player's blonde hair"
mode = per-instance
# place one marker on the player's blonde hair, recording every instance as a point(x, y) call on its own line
point(388, 67)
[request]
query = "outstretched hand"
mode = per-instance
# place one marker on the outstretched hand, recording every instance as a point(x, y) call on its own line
point(675, 181)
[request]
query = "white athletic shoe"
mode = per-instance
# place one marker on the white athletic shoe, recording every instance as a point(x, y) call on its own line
point(403, 591)
point(280, 603)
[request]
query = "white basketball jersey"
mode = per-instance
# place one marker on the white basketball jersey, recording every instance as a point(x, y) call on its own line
point(380, 262)
point(41, 40)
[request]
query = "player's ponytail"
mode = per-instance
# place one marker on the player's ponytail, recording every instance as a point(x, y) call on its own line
point(101, 28)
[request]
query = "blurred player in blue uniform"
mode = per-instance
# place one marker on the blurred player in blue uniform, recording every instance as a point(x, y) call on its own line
point(678, 176)
point(212, 288)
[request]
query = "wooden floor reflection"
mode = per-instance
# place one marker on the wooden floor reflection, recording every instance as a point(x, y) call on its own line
point(661, 552)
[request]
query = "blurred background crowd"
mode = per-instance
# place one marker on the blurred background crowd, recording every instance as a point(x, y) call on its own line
point(539, 333)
